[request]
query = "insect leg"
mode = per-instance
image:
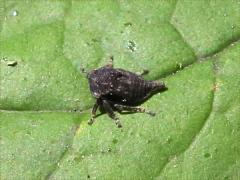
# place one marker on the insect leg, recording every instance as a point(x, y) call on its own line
point(110, 113)
point(94, 110)
point(133, 109)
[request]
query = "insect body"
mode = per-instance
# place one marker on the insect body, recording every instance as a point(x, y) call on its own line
point(121, 90)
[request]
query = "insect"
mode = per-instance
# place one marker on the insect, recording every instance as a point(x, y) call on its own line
point(120, 90)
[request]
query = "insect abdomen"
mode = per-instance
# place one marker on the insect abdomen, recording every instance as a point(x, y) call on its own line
point(142, 89)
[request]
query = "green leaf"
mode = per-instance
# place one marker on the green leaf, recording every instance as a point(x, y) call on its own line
point(45, 101)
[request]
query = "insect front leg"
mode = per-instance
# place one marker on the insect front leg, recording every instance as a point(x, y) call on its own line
point(121, 108)
point(94, 110)
point(107, 107)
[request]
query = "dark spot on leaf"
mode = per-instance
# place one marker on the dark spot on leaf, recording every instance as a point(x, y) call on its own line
point(115, 141)
point(128, 24)
point(149, 141)
point(12, 63)
point(95, 40)
point(226, 178)
point(169, 140)
point(207, 155)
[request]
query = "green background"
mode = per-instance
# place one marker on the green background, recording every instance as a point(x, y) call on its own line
point(193, 46)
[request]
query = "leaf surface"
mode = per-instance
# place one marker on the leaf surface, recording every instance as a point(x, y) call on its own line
point(45, 101)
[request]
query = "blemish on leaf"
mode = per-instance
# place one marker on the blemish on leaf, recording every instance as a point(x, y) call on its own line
point(12, 63)
point(207, 155)
point(132, 46)
point(15, 13)
point(128, 24)
point(115, 141)
point(169, 140)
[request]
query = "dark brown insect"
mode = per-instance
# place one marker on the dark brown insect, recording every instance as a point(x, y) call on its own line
point(121, 90)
